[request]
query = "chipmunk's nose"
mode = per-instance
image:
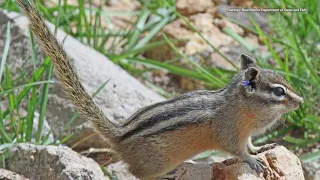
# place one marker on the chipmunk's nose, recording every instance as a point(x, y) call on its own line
point(300, 101)
point(298, 98)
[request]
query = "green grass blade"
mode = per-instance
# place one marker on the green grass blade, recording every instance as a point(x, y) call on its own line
point(45, 139)
point(304, 57)
point(65, 139)
point(29, 85)
point(299, 142)
point(314, 25)
point(11, 96)
point(32, 102)
point(5, 50)
point(100, 88)
point(33, 50)
point(4, 136)
point(312, 119)
point(44, 102)
point(135, 34)
point(154, 31)
point(287, 64)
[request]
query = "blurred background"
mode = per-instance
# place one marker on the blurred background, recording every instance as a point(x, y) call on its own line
point(177, 46)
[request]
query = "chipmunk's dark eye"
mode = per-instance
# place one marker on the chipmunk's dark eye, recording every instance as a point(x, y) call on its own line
point(278, 91)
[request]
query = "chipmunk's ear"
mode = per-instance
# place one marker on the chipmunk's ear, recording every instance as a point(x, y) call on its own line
point(250, 79)
point(252, 74)
point(246, 61)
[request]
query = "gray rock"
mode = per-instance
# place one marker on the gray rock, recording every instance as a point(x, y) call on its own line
point(120, 171)
point(120, 98)
point(311, 170)
point(242, 17)
point(8, 175)
point(280, 164)
point(39, 162)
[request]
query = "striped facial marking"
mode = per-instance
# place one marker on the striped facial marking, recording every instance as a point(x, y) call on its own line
point(279, 92)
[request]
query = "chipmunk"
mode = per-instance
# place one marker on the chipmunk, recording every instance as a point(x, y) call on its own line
point(157, 138)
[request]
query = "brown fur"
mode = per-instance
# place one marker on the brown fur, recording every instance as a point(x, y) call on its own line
point(159, 137)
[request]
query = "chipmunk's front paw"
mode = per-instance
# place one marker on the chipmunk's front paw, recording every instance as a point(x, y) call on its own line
point(267, 147)
point(263, 148)
point(256, 163)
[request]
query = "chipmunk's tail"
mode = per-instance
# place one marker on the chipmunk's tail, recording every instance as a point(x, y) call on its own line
point(66, 75)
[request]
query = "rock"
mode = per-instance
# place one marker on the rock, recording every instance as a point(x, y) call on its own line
point(281, 164)
point(189, 7)
point(8, 175)
point(191, 170)
point(232, 52)
point(223, 23)
point(120, 171)
point(242, 18)
point(209, 58)
point(192, 43)
point(120, 98)
point(45, 128)
point(205, 24)
point(311, 170)
point(39, 162)
point(252, 39)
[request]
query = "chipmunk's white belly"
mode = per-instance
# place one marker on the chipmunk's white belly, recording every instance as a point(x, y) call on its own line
point(263, 129)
